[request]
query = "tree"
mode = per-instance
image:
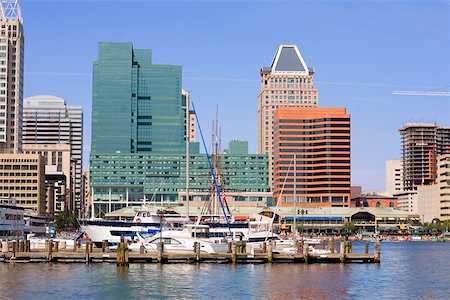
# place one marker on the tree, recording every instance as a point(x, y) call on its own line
point(66, 221)
point(349, 226)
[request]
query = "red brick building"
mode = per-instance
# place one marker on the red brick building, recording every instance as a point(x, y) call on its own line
point(374, 200)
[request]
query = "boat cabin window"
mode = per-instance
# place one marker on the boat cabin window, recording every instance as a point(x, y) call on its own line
point(259, 227)
point(166, 241)
point(208, 234)
point(120, 233)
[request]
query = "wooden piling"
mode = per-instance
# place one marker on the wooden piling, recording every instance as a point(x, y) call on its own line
point(21, 247)
point(122, 255)
point(366, 249)
point(160, 250)
point(27, 246)
point(14, 249)
point(104, 245)
point(141, 249)
point(49, 250)
point(377, 252)
point(264, 248)
point(297, 246)
point(239, 246)
point(91, 246)
point(56, 246)
point(305, 253)
point(87, 253)
point(233, 253)
point(197, 251)
point(332, 246)
point(5, 247)
point(271, 246)
point(342, 252)
point(229, 247)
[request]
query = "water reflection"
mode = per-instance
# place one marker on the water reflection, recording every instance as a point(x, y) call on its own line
point(408, 270)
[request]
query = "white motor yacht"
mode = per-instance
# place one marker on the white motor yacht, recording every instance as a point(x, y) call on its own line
point(181, 241)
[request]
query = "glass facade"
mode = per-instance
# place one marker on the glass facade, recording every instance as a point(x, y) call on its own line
point(136, 105)
point(133, 179)
point(138, 151)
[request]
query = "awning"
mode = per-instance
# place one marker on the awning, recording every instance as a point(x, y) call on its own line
point(315, 218)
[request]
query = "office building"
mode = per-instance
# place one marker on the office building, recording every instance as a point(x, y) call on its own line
point(317, 142)
point(86, 193)
point(22, 179)
point(49, 120)
point(58, 173)
point(136, 105)
point(288, 82)
point(118, 180)
point(421, 144)
point(11, 76)
point(394, 176)
point(191, 123)
point(443, 183)
point(141, 122)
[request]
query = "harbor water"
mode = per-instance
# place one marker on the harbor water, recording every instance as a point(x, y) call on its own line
point(407, 270)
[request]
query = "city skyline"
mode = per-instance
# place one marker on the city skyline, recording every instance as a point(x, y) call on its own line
point(221, 63)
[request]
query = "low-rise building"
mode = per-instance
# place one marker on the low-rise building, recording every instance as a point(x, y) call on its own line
point(120, 180)
point(374, 200)
point(59, 177)
point(22, 178)
point(308, 219)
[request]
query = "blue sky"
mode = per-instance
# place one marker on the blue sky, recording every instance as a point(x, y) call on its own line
point(361, 52)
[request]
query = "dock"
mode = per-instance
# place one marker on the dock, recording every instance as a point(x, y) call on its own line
point(88, 254)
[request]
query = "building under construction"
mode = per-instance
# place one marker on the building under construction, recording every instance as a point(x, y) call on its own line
point(421, 144)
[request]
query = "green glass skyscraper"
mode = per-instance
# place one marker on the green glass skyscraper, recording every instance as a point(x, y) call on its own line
point(138, 151)
point(136, 105)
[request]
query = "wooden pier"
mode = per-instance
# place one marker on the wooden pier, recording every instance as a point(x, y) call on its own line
point(122, 257)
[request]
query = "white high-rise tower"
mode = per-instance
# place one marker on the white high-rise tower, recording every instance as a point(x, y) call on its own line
point(11, 76)
point(288, 82)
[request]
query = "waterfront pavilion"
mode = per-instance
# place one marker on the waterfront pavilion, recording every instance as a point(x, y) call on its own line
point(310, 220)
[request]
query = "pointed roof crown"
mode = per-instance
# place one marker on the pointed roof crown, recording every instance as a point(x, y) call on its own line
point(10, 10)
point(289, 60)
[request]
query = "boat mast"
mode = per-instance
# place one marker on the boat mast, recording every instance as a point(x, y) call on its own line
point(295, 196)
point(278, 201)
point(187, 154)
point(212, 172)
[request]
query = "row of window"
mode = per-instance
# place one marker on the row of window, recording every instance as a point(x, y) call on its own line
point(16, 160)
point(18, 174)
point(17, 195)
point(17, 181)
point(19, 188)
point(18, 167)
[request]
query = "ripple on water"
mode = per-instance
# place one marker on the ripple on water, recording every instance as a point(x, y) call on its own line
point(408, 270)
